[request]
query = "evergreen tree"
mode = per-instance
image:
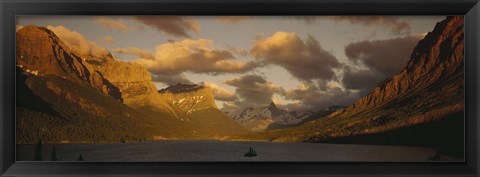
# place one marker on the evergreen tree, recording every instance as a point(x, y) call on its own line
point(80, 158)
point(54, 154)
point(38, 151)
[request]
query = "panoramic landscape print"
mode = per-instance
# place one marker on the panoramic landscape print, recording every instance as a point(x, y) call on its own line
point(240, 88)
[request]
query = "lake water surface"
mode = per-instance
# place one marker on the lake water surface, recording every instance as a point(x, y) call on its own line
point(211, 150)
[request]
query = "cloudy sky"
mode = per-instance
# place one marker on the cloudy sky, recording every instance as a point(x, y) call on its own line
point(299, 62)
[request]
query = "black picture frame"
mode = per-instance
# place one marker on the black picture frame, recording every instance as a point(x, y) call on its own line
point(11, 8)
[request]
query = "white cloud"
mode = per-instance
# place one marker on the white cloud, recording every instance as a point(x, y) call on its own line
point(77, 42)
point(196, 56)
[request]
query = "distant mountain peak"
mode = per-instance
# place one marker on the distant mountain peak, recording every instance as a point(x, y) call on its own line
point(259, 118)
point(274, 110)
point(272, 104)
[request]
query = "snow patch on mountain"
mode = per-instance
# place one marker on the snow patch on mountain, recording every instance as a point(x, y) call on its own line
point(189, 98)
point(258, 118)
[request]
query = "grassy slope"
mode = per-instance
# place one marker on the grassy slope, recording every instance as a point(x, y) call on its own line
point(446, 134)
point(82, 114)
point(64, 110)
point(216, 123)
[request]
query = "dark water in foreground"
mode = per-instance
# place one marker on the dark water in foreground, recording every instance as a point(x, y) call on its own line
point(210, 150)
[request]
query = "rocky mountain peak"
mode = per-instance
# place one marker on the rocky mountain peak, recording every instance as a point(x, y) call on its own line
point(37, 48)
point(274, 110)
point(444, 32)
point(427, 93)
point(429, 88)
point(189, 97)
point(41, 52)
point(438, 58)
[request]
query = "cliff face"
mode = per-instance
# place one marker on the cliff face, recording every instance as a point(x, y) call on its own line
point(430, 88)
point(63, 98)
point(428, 91)
point(189, 98)
point(437, 60)
point(40, 52)
point(133, 81)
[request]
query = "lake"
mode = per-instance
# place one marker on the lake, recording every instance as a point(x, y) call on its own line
point(224, 151)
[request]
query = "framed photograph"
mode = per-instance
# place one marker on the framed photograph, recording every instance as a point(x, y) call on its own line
point(239, 88)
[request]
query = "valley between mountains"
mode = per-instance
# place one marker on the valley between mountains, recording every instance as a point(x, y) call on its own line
point(64, 97)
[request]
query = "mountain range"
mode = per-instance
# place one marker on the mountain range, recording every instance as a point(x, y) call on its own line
point(269, 117)
point(86, 100)
point(64, 97)
point(423, 104)
point(259, 118)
